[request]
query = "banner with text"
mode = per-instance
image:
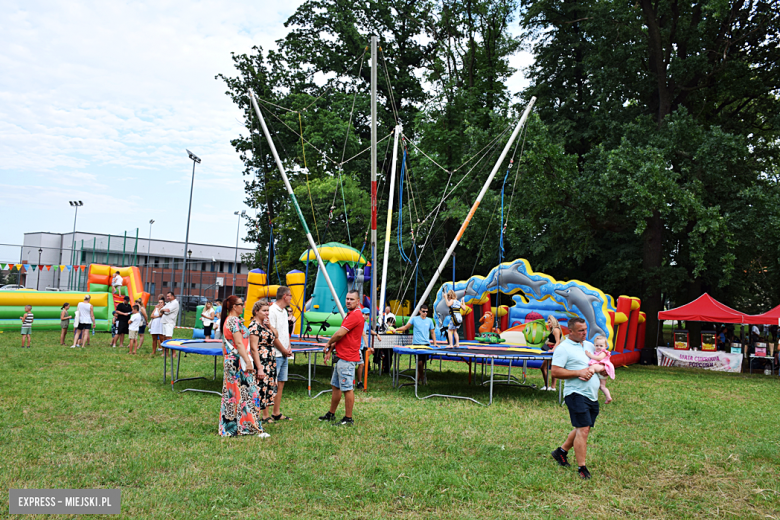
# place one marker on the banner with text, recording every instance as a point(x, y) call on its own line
point(720, 361)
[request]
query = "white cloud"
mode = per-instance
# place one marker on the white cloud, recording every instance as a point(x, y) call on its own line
point(98, 101)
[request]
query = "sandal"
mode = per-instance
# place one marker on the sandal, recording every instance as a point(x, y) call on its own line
point(267, 420)
point(280, 417)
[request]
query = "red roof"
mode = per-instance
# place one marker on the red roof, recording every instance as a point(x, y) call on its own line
point(768, 318)
point(704, 308)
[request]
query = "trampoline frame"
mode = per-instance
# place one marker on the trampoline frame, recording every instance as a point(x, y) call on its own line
point(478, 357)
point(175, 379)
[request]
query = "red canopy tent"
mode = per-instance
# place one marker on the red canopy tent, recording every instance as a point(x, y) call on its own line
point(705, 308)
point(768, 318)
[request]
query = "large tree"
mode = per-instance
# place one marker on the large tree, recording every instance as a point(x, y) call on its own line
point(442, 72)
point(671, 110)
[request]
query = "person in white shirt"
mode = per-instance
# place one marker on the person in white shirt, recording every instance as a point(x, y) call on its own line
point(135, 323)
point(277, 317)
point(169, 314)
point(86, 321)
point(116, 283)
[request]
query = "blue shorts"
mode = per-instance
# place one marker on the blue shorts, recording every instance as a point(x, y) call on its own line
point(343, 375)
point(281, 369)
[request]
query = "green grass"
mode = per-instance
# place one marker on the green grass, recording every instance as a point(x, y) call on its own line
point(676, 443)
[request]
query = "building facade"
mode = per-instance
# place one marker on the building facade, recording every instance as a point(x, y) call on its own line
point(212, 271)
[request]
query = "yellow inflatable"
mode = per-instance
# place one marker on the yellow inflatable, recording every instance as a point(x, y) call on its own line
point(258, 290)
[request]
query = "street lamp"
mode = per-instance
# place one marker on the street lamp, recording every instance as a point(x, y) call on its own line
point(235, 260)
point(74, 204)
point(148, 250)
point(195, 160)
point(38, 279)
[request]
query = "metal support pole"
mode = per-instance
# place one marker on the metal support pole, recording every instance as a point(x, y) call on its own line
point(474, 207)
point(124, 247)
point(372, 316)
point(195, 160)
point(295, 204)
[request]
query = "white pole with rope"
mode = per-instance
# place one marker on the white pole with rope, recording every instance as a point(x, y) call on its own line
point(474, 207)
point(294, 201)
point(386, 258)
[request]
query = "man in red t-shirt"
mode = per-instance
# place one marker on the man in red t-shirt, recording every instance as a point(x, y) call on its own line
point(346, 341)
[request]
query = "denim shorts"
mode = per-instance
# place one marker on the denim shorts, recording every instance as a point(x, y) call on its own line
point(343, 375)
point(281, 369)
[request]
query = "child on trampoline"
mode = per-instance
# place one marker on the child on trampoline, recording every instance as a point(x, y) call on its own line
point(601, 357)
point(454, 305)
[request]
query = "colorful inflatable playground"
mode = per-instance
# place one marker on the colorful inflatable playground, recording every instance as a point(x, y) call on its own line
point(525, 299)
point(48, 305)
point(510, 305)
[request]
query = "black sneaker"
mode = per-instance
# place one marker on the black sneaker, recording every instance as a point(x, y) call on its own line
point(328, 417)
point(346, 421)
point(560, 457)
point(359, 386)
point(584, 473)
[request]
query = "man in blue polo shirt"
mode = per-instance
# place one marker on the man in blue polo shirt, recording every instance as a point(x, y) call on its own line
point(569, 362)
point(422, 327)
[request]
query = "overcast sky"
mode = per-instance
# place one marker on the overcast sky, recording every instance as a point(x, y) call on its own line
point(98, 101)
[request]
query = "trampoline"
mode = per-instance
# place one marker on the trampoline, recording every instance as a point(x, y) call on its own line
point(213, 347)
point(501, 354)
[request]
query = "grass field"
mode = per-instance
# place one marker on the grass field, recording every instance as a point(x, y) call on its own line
point(676, 443)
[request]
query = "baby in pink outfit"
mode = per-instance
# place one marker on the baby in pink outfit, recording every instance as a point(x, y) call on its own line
point(601, 357)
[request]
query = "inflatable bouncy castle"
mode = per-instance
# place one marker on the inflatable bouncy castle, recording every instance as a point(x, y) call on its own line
point(533, 296)
point(100, 277)
point(48, 305)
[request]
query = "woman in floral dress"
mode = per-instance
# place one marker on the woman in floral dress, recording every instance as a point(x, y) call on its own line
point(261, 340)
point(239, 413)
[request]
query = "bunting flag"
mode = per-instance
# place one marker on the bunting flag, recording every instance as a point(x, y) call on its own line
point(61, 267)
point(18, 267)
point(83, 267)
point(26, 267)
point(3, 266)
point(34, 267)
point(48, 268)
point(68, 267)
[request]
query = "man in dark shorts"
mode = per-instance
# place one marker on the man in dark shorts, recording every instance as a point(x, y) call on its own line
point(569, 362)
point(123, 311)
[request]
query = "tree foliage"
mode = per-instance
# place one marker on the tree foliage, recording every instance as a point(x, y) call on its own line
point(671, 112)
point(649, 167)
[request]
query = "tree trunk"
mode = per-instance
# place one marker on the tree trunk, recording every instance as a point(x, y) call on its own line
point(652, 256)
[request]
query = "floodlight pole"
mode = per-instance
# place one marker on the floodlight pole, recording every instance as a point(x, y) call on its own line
point(474, 207)
point(195, 160)
point(294, 201)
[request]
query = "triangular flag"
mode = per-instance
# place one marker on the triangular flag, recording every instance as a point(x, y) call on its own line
point(48, 268)
point(26, 267)
point(3, 267)
point(62, 267)
point(18, 267)
point(34, 266)
point(83, 267)
point(69, 267)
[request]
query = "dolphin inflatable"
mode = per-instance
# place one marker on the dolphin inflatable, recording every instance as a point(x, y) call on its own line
point(576, 297)
point(512, 275)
